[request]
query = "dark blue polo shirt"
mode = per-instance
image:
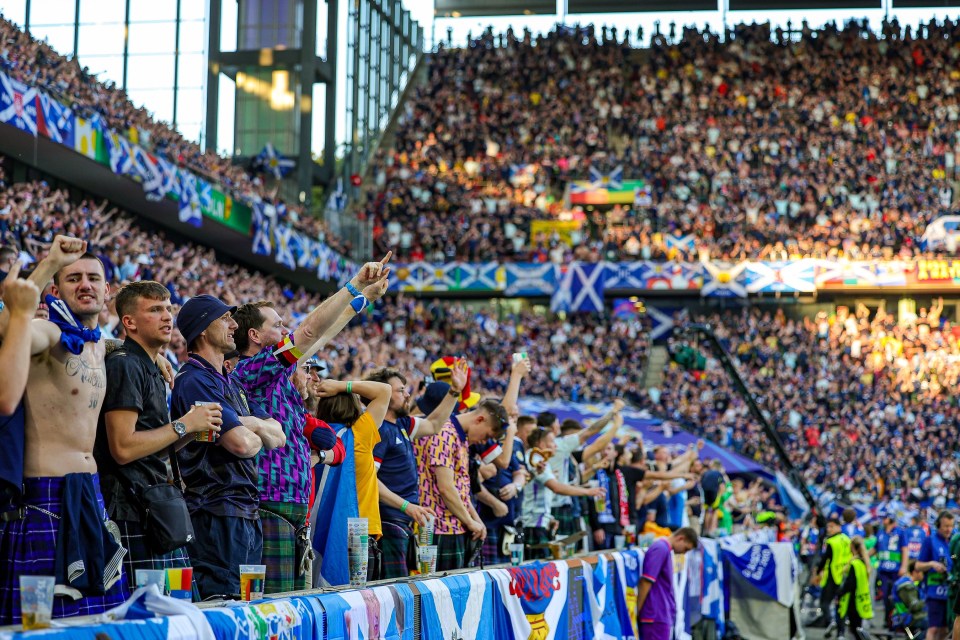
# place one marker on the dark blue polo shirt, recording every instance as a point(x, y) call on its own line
point(218, 482)
point(396, 465)
point(502, 478)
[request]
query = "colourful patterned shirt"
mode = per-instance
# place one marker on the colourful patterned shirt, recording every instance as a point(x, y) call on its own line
point(285, 471)
point(448, 448)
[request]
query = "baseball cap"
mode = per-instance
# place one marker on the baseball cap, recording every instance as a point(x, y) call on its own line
point(198, 313)
point(432, 396)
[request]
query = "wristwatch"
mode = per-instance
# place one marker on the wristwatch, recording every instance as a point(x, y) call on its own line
point(453, 393)
point(180, 428)
point(323, 457)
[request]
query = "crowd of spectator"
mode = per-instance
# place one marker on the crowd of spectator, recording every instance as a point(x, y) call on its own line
point(864, 402)
point(835, 142)
point(36, 64)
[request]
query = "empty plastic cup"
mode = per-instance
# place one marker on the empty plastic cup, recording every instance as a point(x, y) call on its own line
point(516, 554)
point(156, 577)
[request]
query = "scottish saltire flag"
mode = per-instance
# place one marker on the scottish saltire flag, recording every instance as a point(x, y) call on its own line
point(612, 181)
point(55, 121)
point(205, 194)
point(336, 501)
point(168, 172)
point(711, 603)
point(686, 244)
point(530, 601)
point(269, 161)
point(791, 497)
point(189, 203)
point(146, 168)
point(18, 104)
point(120, 153)
point(599, 592)
point(263, 221)
point(283, 242)
point(457, 607)
point(628, 582)
point(530, 279)
point(306, 255)
point(338, 198)
point(781, 277)
point(580, 288)
point(723, 280)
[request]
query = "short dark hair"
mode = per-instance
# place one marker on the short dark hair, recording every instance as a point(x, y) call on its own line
point(537, 436)
point(496, 411)
point(944, 515)
point(248, 316)
point(129, 296)
point(546, 419)
point(849, 515)
point(569, 426)
point(6, 251)
point(385, 374)
point(85, 256)
point(524, 421)
point(688, 534)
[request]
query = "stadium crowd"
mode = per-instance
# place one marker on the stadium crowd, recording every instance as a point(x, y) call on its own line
point(36, 64)
point(864, 401)
point(841, 142)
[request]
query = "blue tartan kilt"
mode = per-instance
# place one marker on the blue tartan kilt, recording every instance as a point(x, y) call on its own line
point(29, 547)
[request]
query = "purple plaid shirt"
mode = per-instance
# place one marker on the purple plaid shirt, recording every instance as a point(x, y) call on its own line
point(285, 471)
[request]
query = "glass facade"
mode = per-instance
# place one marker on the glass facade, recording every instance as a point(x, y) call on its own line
point(135, 44)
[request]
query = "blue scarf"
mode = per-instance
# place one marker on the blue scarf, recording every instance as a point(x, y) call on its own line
point(73, 335)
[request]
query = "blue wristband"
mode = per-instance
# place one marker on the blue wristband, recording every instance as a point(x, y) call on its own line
point(352, 289)
point(359, 304)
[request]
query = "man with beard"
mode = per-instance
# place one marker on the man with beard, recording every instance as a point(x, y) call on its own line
point(61, 497)
point(396, 465)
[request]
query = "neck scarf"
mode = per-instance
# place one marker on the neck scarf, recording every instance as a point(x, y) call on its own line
point(73, 335)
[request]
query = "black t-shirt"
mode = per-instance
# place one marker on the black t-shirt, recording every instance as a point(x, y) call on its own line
point(631, 476)
point(134, 383)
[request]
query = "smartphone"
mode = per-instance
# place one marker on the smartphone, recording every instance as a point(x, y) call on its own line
point(517, 357)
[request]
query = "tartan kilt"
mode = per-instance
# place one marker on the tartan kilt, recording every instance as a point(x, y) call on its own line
point(569, 521)
point(29, 547)
point(492, 554)
point(451, 551)
point(534, 536)
point(398, 550)
point(280, 522)
point(140, 556)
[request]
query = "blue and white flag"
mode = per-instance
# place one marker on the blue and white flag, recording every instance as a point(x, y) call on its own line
point(791, 497)
point(300, 618)
point(149, 172)
point(711, 604)
point(723, 280)
point(765, 568)
point(685, 244)
point(531, 601)
point(189, 203)
point(599, 591)
point(628, 582)
point(169, 172)
point(262, 229)
point(580, 289)
point(55, 121)
point(456, 607)
point(612, 181)
point(120, 152)
point(205, 194)
point(336, 501)
point(269, 161)
point(380, 613)
point(530, 279)
point(283, 243)
point(18, 104)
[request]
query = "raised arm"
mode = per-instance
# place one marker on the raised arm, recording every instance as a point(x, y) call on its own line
point(378, 393)
point(601, 422)
point(20, 299)
point(601, 443)
point(321, 319)
point(432, 424)
point(511, 395)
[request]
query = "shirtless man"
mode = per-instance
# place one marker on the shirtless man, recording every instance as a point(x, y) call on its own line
point(65, 388)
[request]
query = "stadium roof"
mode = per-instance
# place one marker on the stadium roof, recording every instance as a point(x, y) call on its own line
point(464, 8)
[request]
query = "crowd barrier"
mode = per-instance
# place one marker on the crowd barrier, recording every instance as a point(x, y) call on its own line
point(588, 597)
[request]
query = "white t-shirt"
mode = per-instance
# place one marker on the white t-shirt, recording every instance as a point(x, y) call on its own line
point(563, 465)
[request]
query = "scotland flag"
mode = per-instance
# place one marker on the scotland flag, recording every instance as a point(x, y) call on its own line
point(55, 121)
point(580, 289)
point(18, 104)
